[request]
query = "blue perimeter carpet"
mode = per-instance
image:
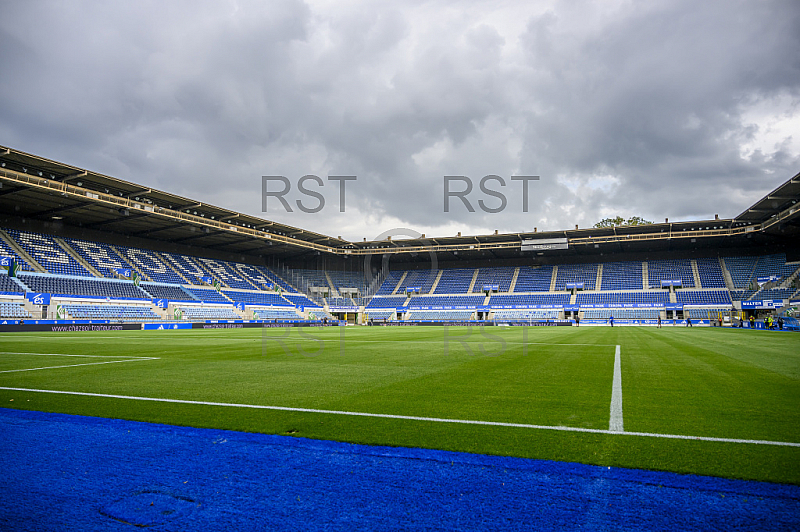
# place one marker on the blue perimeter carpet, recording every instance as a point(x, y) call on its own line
point(64, 472)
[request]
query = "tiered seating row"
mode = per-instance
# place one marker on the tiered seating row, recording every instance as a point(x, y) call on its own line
point(440, 315)
point(349, 280)
point(386, 302)
point(48, 253)
point(669, 270)
point(209, 313)
point(422, 279)
point(8, 285)
point(148, 262)
point(576, 273)
point(522, 315)
point(276, 314)
point(445, 301)
point(703, 297)
point(496, 276)
point(710, 272)
point(454, 281)
point(92, 287)
point(6, 251)
point(169, 292)
point(388, 285)
point(529, 299)
point(534, 279)
point(622, 276)
point(111, 312)
point(621, 314)
point(13, 310)
point(257, 298)
point(622, 298)
point(100, 256)
point(207, 295)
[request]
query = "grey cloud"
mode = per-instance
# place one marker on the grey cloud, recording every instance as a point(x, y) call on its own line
point(636, 109)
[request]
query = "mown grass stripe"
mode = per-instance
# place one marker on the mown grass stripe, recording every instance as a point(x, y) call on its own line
point(410, 418)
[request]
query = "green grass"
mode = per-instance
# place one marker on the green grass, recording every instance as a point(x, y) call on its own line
point(699, 382)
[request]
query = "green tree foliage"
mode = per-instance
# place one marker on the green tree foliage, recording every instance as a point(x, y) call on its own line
point(619, 220)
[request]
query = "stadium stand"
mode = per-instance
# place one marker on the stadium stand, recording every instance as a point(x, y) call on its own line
point(422, 279)
point(534, 279)
point(386, 302)
point(741, 271)
point(388, 285)
point(299, 300)
point(669, 270)
point(7, 285)
point(377, 314)
point(576, 273)
point(439, 315)
point(454, 281)
point(773, 293)
point(742, 295)
point(703, 297)
point(610, 298)
point(622, 276)
point(209, 313)
point(340, 302)
point(276, 314)
point(501, 277)
point(48, 253)
point(525, 315)
point(207, 295)
point(703, 313)
point(92, 287)
point(168, 292)
point(445, 301)
point(148, 263)
point(6, 251)
point(710, 272)
point(257, 298)
point(226, 273)
point(13, 311)
point(502, 300)
point(111, 312)
point(101, 257)
point(347, 281)
point(176, 277)
point(621, 314)
point(187, 267)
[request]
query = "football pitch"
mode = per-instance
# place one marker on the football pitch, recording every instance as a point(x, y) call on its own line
point(701, 401)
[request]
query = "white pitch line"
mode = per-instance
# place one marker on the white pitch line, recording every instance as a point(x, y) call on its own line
point(76, 365)
point(410, 418)
point(66, 355)
point(615, 421)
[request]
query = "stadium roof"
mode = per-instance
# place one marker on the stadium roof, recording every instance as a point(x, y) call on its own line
point(37, 188)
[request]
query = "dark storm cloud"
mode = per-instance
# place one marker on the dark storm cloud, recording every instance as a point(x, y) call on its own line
point(652, 109)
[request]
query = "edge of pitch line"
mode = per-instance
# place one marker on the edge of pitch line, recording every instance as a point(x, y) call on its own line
point(615, 419)
point(410, 418)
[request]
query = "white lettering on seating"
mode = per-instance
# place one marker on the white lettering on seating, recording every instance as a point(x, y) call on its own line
point(249, 272)
point(44, 249)
point(100, 255)
point(219, 270)
point(155, 266)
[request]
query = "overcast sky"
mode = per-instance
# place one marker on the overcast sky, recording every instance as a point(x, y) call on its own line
point(678, 109)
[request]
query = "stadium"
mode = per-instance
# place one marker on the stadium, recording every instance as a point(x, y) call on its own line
point(625, 359)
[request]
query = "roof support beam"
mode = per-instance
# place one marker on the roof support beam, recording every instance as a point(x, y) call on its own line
point(157, 229)
point(61, 209)
point(122, 218)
